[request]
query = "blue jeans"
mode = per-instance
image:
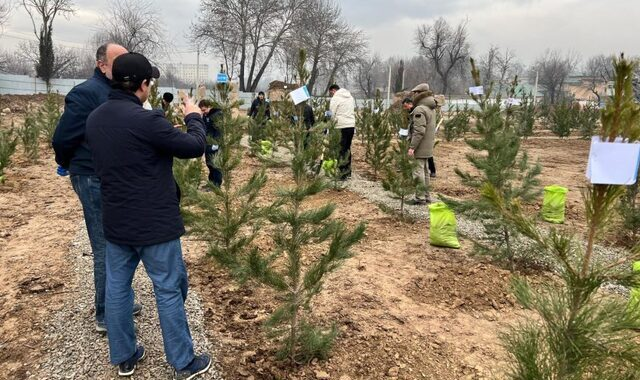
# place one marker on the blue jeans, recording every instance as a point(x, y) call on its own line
point(87, 187)
point(164, 265)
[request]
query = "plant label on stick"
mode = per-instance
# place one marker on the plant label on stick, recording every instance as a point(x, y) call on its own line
point(613, 163)
point(477, 90)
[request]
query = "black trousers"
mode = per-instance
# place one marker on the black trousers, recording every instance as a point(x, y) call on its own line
point(432, 166)
point(215, 175)
point(346, 136)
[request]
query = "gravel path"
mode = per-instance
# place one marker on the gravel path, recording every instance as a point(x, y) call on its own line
point(471, 229)
point(77, 351)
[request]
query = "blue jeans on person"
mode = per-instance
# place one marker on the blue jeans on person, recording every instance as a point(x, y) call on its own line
point(164, 265)
point(87, 187)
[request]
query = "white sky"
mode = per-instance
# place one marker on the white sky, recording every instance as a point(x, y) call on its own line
point(528, 27)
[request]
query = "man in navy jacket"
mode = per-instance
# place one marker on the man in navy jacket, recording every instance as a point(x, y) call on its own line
point(133, 151)
point(73, 155)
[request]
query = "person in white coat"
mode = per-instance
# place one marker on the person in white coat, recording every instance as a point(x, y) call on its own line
point(342, 108)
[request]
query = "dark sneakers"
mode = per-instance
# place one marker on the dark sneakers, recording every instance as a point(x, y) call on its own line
point(128, 367)
point(417, 202)
point(199, 365)
point(137, 308)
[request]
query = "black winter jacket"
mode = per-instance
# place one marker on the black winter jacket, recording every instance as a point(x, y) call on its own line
point(69, 142)
point(133, 152)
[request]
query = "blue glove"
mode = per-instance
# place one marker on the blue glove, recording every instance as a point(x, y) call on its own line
point(328, 114)
point(62, 172)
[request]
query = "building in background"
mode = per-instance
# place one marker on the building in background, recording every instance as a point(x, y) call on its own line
point(190, 72)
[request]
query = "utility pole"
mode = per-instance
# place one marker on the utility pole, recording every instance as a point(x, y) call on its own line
point(197, 65)
point(535, 90)
point(389, 89)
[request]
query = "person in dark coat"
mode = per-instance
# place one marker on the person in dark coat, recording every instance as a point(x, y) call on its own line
point(73, 156)
point(260, 106)
point(133, 150)
point(212, 116)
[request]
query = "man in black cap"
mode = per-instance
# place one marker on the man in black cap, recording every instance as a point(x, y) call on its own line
point(133, 152)
point(260, 107)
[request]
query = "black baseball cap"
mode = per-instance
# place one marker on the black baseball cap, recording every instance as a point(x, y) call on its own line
point(133, 67)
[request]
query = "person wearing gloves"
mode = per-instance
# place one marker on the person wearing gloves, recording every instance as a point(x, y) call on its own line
point(342, 110)
point(133, 151)
point(422, 138)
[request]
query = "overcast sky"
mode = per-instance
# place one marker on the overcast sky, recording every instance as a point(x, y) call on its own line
point(528, 27)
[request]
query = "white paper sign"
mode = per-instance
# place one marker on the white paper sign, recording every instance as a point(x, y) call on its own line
point(300, 95)
point(403, 132)
point(478, 90)
point(613, 163)
point(513, 102)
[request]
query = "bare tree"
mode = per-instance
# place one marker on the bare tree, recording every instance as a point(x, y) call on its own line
point(488, 65)
point(368, 75)
point(418, 70)
point(134, 24)
point(347, 49)
point(42, 14)
point(5, 11)
point(598, 70)
point(507, 67)
point(447, 48)
point(13, 63)
point(254, 29)
point(553, 70)
point(65, 60)
point(316, 30)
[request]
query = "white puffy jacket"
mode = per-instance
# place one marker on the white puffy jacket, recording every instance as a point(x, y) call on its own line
point(342, 108)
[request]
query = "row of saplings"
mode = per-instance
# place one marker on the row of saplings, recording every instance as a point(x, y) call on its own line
point(39, 125)
point(579, 332)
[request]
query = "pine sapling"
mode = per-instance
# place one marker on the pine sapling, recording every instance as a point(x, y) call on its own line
point(48, 115)
point(378, 139)
point(8, 142)
point(457, 124)
point(498, 162)
point(399, 174)
point(331, 159)
point(29, 135)
point(228, 217)
point(308, 246)
point(579, 331)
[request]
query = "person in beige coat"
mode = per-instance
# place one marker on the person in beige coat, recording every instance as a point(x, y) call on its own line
point(422, 136)
point(342, 107)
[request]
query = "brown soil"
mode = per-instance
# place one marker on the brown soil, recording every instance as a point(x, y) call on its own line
point(404, 309)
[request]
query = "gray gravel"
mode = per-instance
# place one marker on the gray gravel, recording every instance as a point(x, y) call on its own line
point(77, 351)
point(471, 229)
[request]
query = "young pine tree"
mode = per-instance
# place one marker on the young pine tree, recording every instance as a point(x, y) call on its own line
point(579, 331)
point(48, 115)
point(308, 246)
point(378, 139)
point(8, 142)
point(331, 160)
point(29, 135)
point(499, 162)
point(399, 174)
point(228, 217)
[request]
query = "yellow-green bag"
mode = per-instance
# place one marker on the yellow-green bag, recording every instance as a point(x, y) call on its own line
point(553, 204)
point(634, 297)
point(443, 226)
point(329, 166)
point(266, 148)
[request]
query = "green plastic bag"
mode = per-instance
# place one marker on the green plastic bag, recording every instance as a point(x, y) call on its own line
point(266, 148)
point(634, 297)
point(329, 167)
point(553, 204)
point(442, 232)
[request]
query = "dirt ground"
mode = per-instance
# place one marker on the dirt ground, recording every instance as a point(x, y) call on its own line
point(404, 309)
